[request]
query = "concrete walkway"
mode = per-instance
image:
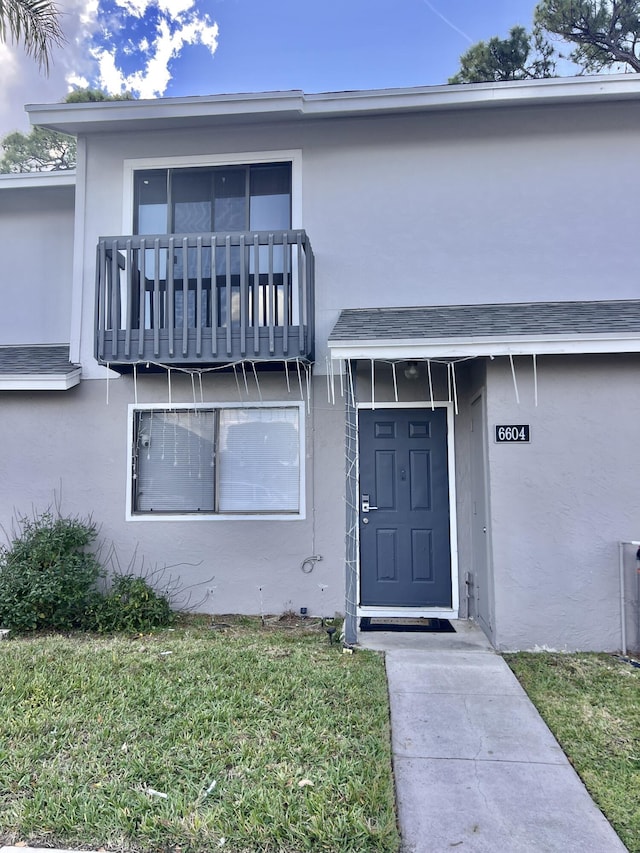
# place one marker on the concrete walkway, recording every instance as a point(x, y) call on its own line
point(476, 768)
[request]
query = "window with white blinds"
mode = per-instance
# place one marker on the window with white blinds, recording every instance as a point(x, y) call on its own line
point(259, 460)
point(216, 460)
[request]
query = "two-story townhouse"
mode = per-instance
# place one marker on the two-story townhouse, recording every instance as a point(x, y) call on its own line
point(367, 352)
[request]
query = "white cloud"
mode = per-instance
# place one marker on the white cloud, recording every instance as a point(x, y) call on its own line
point(173, 8)
point(111, 78)
point(76, 81)
point(173, 33)
point(137, 8)
point(80, 62)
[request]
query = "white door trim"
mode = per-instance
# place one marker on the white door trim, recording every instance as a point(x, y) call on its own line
point(419, 612)
point(483, 469)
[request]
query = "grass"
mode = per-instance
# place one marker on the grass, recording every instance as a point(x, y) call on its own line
point(193, 739)
point(592, 705)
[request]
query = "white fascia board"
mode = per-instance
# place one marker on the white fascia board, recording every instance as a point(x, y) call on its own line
point(470, 95)
point(108, 115)
point(40, 381)
point(402, 350)
point(27, 180)
point(168, 112)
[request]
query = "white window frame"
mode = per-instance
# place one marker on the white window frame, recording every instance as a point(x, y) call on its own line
point(249, 158)
point(218, 517)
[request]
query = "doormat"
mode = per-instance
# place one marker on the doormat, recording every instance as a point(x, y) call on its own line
point(433, 626)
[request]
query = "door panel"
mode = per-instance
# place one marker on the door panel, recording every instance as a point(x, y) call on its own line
point(422, 555)
point(405, 555)
point(386, 555)
point(385, 479)
point(420, 480)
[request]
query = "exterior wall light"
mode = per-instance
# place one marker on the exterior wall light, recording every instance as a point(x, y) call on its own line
point(411, 370)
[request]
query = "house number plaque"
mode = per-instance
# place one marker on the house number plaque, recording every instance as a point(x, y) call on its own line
point(512, 433)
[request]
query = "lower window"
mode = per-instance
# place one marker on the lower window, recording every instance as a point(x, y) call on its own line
point(222, 460)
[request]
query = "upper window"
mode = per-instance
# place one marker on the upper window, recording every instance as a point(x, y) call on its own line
point(254, 197)
point(227, 460)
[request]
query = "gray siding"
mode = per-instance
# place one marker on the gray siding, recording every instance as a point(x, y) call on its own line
point(561, 503)
point(36, 235)
point(480, 206)
point(76, 446)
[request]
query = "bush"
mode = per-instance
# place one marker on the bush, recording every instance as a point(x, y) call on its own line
point(47, 577)
point(132, 605)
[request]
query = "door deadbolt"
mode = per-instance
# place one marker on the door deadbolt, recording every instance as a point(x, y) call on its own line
point(366, 506)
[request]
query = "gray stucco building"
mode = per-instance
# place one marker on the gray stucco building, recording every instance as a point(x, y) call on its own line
point(366, 352)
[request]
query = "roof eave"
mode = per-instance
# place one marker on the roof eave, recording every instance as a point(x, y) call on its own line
point(31, 180)
point(40, 381)
point(164, 112)
point(433, 348)
point(171, 112)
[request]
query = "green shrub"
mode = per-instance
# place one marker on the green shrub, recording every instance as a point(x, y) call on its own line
point(132, 605)
point(47, 577)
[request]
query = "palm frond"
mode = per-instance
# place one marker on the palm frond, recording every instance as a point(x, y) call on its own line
point(33, 23)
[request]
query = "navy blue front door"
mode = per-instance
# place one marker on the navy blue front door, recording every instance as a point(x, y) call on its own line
point(405, 554)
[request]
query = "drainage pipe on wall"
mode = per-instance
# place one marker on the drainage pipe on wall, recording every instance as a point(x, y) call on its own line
point(623, 621)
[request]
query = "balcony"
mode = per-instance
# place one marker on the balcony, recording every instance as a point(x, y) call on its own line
point(204, 298)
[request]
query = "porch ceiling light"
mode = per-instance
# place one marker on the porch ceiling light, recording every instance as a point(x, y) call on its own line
point(411, 370)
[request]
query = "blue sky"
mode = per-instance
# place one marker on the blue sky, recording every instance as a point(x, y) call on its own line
point(348, 44)
point(189, 47)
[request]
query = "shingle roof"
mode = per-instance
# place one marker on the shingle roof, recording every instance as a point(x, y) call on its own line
point(35, 367)
point(527, 319)
point(34, 359)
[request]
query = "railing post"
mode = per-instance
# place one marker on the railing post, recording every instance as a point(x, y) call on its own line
point(307, 321)
point(284, 320)
point(114, 284)
point(198, 297)
point(100, 298)
point(214, 296)
point(156, 317)
point(185, 296)
point(244, 296)
point(270, 308)
point(171, 299)
point(255, 319)
point(227, 247)
point(129, 295)
point(302, 297)
point(142, 296)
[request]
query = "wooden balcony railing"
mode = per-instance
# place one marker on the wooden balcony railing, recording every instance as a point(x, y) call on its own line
point(205, 298)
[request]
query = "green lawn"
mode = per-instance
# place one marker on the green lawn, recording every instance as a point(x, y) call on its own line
point(193, 739)
point(592, 705)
